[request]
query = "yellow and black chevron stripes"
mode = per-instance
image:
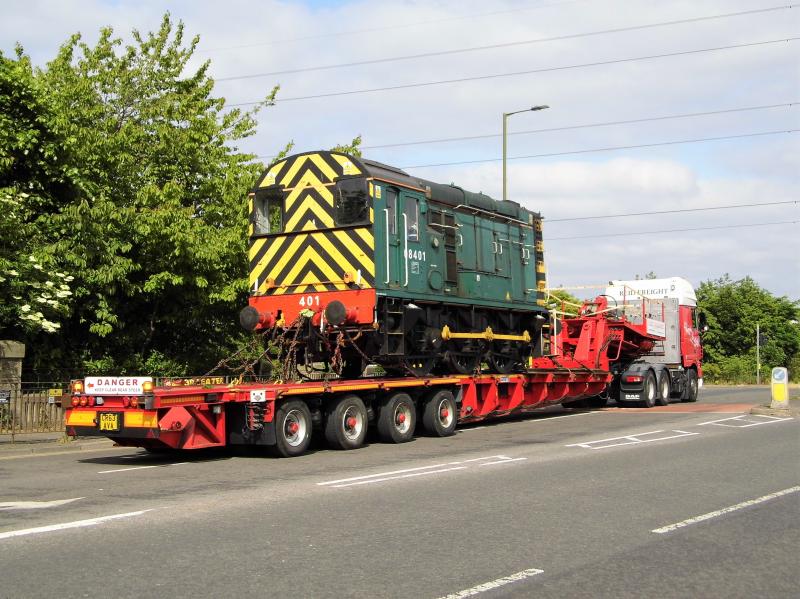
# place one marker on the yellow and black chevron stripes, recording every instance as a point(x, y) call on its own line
point(326, 166)
point(315, 260)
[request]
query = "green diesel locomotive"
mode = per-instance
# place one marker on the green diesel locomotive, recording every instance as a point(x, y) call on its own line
point(361, 262)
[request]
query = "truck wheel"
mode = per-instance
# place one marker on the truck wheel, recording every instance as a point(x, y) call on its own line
point(397, 419)
point(439, 415)
point(292, 429)
point(346, 424)
point(664, 389)
point(691, 386)
point(650, 391)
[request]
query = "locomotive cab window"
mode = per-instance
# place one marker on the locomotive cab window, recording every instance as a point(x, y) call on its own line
point(391, 210)
point(268, 211)
point(411, 218)
point(351, 202)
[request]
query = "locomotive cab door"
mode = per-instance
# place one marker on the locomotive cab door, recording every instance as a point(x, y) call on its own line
point(406, 253)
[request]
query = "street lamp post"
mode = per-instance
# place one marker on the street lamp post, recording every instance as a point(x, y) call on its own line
point(505, 132)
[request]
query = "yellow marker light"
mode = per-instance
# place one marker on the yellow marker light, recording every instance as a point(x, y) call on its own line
point(147, 386)
point(77, 386)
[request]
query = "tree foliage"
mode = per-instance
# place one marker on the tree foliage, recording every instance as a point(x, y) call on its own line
point(123, 172)
point(733, 309)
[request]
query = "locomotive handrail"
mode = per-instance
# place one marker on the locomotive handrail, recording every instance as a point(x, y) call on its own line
point(405, 246)
point(386, 214)
point(494, 215)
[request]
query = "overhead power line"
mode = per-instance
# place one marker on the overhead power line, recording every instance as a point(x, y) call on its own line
point(681, 230)
point(608, 149)
point(675, 211)
point(582, 126)
point(518, 73)
point(390, 27)
point(504, 45)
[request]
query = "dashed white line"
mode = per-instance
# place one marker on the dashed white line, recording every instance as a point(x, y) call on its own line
point(413, 474)
point(726, 510)
point(504, 461)
point(35, 505)
point(141, 468)
point(66, 525)
point(355, 478)
point(631, 440)
point(493, 584)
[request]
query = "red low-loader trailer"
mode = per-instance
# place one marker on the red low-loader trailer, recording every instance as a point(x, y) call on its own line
point(587, 354)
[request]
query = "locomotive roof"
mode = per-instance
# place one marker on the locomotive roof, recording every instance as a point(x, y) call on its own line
point(450, 195)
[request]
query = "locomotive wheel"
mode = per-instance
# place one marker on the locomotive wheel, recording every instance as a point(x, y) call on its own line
point(397, 419)
point(504, 357)
point(461, 359)
point(346, 424)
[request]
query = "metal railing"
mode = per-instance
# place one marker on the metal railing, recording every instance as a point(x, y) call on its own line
point(31, 407)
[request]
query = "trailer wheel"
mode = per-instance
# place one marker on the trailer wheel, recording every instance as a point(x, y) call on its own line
point(292, 429)
point(664, 388)
point(691, 386)
point(650, 390)
point(346, 423)
point(439, 414)
point(397, 419)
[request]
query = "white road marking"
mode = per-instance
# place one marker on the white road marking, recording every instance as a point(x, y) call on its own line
point(493, 584)
point(742, 421)
point(378, 480)
point(35, 505)
point(76, 524)
point(536, 420)
point(141, 468)
point(630, 440)
point(726, 510)
point(414, 472)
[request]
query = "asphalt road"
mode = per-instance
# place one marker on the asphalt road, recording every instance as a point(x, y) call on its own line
point(559, 504)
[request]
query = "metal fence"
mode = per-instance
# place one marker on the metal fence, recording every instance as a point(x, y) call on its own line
point(31, 407)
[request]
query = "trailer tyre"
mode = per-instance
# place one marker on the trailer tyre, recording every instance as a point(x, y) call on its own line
point(691, 387)
point(439, 415)
point(650, 391)
point(346, 423)
point(397, 419)
point(292, 429)
point(664, 388)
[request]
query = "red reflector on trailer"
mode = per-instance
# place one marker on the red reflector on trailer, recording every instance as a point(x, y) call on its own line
point(633, 378)
point(75, 402)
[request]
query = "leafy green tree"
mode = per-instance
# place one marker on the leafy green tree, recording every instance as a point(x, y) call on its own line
point(34, 294)
point(140, 196)
point(733, 308)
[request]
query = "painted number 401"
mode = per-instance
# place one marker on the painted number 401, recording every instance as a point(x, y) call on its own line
point(309, 300)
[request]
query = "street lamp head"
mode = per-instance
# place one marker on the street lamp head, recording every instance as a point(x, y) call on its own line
point(541, 107)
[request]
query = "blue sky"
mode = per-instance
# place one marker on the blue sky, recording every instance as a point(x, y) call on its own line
point(243, 39)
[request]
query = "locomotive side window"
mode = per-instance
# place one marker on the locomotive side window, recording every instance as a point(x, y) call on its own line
point(391, 207)
point(268, 211)
point(411, 212)
point(351, 202)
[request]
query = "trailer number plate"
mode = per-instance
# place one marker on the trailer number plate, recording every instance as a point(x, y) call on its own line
point(109, 421)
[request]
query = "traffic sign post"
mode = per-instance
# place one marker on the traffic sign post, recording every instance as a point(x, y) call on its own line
point(780, 389)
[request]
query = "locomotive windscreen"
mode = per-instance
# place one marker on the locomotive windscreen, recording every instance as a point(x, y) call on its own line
point(268, 211)
point(351, 202)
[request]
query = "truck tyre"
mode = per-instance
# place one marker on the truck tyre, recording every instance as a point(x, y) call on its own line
point(650, 390)
point(346, 423)
point(664, 388)
point(440, 414)
point(692, 390)
point(292, 429)
point(397, 418)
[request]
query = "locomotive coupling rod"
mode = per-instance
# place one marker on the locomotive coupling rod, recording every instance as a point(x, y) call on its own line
point(488, 335)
